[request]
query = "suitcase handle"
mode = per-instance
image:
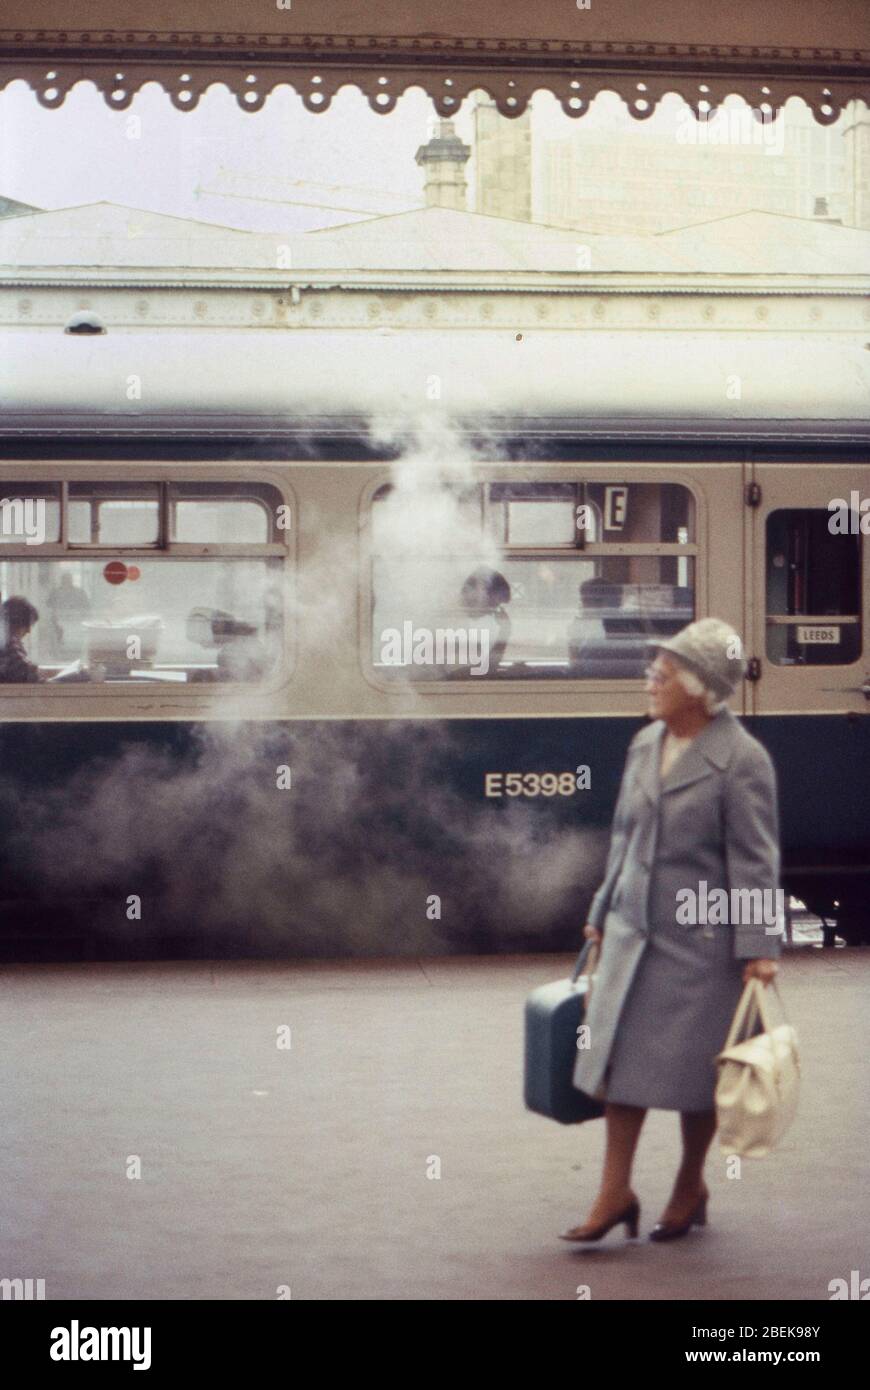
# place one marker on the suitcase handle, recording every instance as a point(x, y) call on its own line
point(581, 960)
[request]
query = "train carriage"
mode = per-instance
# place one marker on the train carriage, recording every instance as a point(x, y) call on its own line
point(326, 666)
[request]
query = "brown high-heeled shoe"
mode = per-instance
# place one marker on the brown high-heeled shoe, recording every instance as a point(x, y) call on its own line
point(672, 1230)
point(630, 1215)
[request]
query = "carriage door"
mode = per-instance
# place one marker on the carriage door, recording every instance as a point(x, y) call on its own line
point(810, 599)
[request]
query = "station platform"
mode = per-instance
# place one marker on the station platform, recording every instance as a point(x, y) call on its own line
point(308, 1170)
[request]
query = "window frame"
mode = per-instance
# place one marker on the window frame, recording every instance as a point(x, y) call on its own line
point(787, 620)
point(165, 475)
point(536, 472)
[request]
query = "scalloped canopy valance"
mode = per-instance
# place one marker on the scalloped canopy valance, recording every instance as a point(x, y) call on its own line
point(815, 49)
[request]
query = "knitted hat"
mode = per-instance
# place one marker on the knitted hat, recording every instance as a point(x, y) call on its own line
point(708, 647)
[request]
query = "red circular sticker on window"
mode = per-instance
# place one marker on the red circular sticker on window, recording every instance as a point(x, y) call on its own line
point(115, 572)
point(133, 572)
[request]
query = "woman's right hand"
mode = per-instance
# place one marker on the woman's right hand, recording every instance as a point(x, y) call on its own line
point(593, 934)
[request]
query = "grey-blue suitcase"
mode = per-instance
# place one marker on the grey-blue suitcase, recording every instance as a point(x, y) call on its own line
point(553, 1015)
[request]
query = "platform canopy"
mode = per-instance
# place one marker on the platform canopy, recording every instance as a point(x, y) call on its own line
point(816, 49)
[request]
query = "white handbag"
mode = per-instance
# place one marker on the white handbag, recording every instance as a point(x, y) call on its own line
point(758, 1081)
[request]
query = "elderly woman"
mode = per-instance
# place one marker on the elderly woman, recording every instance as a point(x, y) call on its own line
point(696, 812)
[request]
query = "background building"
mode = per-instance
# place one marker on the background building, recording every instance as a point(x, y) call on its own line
point(630, 176)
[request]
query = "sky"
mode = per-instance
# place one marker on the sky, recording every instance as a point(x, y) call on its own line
point(169, 160)
point(306, 169)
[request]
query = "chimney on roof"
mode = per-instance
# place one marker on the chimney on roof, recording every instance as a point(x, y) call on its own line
point(444, 160)
point(822, 213)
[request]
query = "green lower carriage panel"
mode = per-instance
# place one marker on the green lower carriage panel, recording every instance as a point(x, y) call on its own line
point(362, 838)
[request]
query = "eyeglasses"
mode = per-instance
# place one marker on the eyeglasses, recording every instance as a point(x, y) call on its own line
point(656, 677)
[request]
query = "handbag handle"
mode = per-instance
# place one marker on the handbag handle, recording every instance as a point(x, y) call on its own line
point(779, 1000)
point(753, 997)
point(748, 1001)
point(766, 1025)
point(762, 1002)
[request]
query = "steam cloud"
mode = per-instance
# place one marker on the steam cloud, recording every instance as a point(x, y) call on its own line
point(341, 863)
point(381, 814)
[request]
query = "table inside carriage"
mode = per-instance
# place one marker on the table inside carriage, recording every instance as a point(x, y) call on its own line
point(173, 673)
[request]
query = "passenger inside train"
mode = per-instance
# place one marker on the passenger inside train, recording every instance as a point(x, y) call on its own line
point(17, 617)
point(68, 606)
point(631, 562)
point(131, 562)
point(484, 598)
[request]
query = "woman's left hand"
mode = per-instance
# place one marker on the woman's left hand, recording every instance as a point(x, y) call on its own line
point(763, 970)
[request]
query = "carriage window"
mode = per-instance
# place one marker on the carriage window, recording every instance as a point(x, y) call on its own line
point(532, 580)
point(115, 513)
point(199, 512)
point(203, 602)
point(533, 514)
point(813, 588)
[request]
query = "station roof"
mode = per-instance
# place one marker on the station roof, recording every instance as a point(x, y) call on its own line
point(439, 238)
point(11, 207)
point(422, 246)
point(108, 235)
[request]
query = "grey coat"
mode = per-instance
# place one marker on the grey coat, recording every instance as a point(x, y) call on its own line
point(665, 990)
